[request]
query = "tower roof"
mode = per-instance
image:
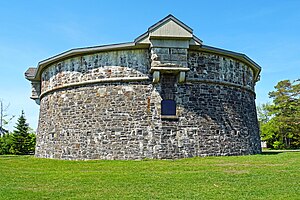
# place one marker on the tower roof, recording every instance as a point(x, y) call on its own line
point(169, 28)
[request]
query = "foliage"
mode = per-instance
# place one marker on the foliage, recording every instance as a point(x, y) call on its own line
point(266, 176)
point(23, 142)
point(5, 143)
point(280, 120)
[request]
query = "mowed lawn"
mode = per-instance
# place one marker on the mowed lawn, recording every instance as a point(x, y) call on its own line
point(266, 176)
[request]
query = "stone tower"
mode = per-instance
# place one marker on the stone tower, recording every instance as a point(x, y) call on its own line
point(165, 95)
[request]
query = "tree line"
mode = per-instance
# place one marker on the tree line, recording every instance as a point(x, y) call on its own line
point(19, 142)
point(279, 120)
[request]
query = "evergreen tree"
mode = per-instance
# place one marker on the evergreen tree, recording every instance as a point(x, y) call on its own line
point(21, 137)
point(280, 120)
point(5, 143)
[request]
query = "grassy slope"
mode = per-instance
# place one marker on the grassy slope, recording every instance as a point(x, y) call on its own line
point(274, 176)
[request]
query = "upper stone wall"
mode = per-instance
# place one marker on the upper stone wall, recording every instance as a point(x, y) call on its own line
point(104, 65)
point(169, 46)
point(206, 66)
point(136, 63)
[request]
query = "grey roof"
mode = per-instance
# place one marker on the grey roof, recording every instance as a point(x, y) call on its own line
point(33, 74)
point(30, 73)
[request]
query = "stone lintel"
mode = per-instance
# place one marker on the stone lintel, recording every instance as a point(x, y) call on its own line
point(180, 71)
point(172, 70)
point(169, 117)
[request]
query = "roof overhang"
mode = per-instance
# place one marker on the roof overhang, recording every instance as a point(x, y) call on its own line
point(167, 29)
point(239, 56)
point(75, 52)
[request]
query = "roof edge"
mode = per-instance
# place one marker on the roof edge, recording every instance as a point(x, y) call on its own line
point(33, 74)
point(78, 51)
point(241, 56)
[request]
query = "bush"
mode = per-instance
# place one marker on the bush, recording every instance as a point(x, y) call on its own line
point(5, 144)
point(278, 145)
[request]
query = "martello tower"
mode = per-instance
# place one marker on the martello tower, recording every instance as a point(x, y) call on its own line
point(165, 95)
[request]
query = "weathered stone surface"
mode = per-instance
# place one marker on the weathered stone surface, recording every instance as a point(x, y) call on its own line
point(108, 104)
point(204, 66)
point(122, 120)
point(114, 64)
point(173, 56)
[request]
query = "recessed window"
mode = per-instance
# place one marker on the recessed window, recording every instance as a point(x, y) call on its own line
point(168, 107)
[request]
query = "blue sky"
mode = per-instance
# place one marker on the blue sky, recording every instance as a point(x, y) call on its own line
point(268, 31)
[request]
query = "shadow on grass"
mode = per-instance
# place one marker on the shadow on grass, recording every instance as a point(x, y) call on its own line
point(271, 152)
point(15, 156)
point(274, 152)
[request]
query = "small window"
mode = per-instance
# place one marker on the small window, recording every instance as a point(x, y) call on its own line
point(168, 107)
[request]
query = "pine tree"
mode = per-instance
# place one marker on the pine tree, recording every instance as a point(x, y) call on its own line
point(280, 120)
point(21, 137)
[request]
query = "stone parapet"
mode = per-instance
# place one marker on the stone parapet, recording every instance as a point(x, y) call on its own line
point(113, 64)
point(205, 66)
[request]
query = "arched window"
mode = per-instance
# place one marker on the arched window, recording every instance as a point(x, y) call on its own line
point(168, 107)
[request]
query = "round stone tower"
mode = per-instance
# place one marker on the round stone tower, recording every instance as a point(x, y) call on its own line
point(165, 95)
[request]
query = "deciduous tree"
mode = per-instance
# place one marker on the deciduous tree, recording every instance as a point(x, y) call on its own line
point(4, 117)
point(280, 120)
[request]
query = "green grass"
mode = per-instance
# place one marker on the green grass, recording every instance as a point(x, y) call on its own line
point(266, 176)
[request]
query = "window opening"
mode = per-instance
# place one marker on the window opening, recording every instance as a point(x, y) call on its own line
point(168, 107)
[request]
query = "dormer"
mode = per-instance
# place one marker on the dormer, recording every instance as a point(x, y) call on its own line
point(169, 29)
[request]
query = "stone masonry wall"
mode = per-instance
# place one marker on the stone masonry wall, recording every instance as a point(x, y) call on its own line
point(204, 66)
point(163, 55)
point(93, 122)
point(114, 64)
point(121, 120)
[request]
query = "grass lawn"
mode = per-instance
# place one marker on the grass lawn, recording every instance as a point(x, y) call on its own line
point(266, 176)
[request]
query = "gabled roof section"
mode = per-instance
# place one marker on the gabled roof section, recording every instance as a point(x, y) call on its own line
point(167, 19)
point(169, 28)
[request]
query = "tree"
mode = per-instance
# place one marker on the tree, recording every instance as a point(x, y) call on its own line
point(280, 120)
point(267, 128)
point(5, 143)
point(23, 141)
point(3, 117)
